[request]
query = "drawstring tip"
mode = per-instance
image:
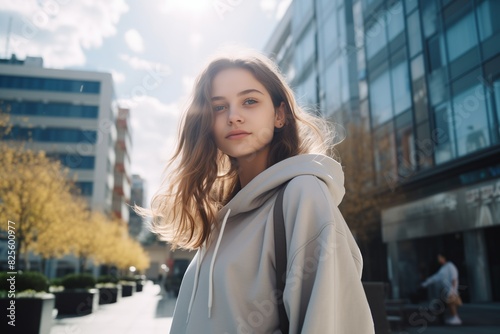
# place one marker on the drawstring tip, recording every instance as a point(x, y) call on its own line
point(209, 312)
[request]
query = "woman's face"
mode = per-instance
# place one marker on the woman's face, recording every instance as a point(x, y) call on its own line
point(244, 114)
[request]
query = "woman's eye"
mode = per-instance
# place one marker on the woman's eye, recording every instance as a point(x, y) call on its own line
point(250, 101)
point(218, 108)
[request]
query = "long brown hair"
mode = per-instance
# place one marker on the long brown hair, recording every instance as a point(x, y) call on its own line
point(199, 179)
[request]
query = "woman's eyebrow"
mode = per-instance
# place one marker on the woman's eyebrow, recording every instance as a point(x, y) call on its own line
point(244, 92)
point(247, 91)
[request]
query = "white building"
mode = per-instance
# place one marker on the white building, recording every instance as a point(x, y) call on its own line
point(68, 114)
point(72, 116)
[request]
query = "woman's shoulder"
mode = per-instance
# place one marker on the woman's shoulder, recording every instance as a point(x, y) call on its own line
point(309, 191)
point(307, 184)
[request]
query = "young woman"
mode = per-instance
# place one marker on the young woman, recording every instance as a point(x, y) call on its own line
point(243, 137)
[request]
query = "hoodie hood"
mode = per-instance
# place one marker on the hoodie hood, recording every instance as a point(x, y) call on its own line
point(241, 252)
point(264, 185)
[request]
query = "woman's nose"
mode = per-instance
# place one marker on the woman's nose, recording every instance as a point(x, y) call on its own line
point(234, 116)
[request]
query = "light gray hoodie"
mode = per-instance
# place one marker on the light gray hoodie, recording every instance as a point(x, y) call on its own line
point(230, 285)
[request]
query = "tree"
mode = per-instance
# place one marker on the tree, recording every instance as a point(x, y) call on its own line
point(360, 206)
point(368, 191)
point(60, 236)
point(119, 249)
point(30, 191)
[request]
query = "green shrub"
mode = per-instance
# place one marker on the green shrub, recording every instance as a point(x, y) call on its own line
point(29, 280)
point(78, 281)
point(128, 279)
point(107, 279)
point(56, 282)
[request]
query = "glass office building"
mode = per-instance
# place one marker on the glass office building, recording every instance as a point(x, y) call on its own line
point(424, 77)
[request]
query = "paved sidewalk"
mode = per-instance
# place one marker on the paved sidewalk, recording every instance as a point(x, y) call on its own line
point(479, 318)
point(148, 312)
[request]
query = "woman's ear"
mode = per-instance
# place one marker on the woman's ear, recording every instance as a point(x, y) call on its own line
point(279, 116)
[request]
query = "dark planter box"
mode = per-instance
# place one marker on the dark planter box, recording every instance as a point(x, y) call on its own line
point(139, 286)
point(110, 295)
point(77, 302)
point(32, 315)
point(128, 290)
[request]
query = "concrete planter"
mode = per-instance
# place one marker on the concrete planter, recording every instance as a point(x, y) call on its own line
point(32, 315)
point(77, 302)
point(110, 295)
point(128, 290)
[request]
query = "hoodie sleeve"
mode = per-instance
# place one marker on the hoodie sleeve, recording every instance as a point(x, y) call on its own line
point(323, 291)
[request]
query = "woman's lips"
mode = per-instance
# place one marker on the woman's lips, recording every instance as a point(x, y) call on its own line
point(237, 134)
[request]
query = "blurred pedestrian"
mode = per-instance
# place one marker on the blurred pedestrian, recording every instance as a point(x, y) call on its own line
point(243, 138)
point(447, 278)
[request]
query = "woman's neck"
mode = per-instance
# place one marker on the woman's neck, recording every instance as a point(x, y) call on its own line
point(252, 165)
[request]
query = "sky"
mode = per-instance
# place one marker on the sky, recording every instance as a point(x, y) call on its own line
point(153, 48)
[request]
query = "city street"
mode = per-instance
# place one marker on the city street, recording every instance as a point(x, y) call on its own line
point(150, 311)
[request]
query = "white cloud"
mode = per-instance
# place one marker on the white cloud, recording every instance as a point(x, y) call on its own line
point(118, 77)
point(195, 39)
point(187, 84)
point(58, 30)
point(268, 6)
point(169, 6)
point(142, 64)
point(154, 136)
point(134, 40)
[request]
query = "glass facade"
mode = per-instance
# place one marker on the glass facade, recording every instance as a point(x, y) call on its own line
point(49, 84)
point(423, 77)
point(54, 135)
point(52, 109)
point(74, 161)
point(414, 70)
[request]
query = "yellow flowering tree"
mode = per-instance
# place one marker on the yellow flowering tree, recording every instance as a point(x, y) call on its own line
point(30, 194)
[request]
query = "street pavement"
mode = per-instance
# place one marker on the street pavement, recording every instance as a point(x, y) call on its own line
point(478, 318)
point(150, 312)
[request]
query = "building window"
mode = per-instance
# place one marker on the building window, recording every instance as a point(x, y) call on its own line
point(405, 144)
point(496, 106)
point(429, 17)
point(437, 53)
point(74, 160)
point(488, 23)
point(461, 36)
point(306, 91)
point(445, 146)
point(332, 87)
point(414, 35)
point(51, 109)
point(344, 77)
point(385, 160)
point(401, 87)
point(55, 135)
point(329, 34)
point(375, 37)
point(86, 188)
point(305, 48)
point(48, 84)
point(380, 98)
point(471, 120)
point(411, 5)
point(395, 20)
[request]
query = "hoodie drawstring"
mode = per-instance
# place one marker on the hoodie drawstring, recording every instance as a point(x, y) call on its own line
point(211, 280)
point(196, 276)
